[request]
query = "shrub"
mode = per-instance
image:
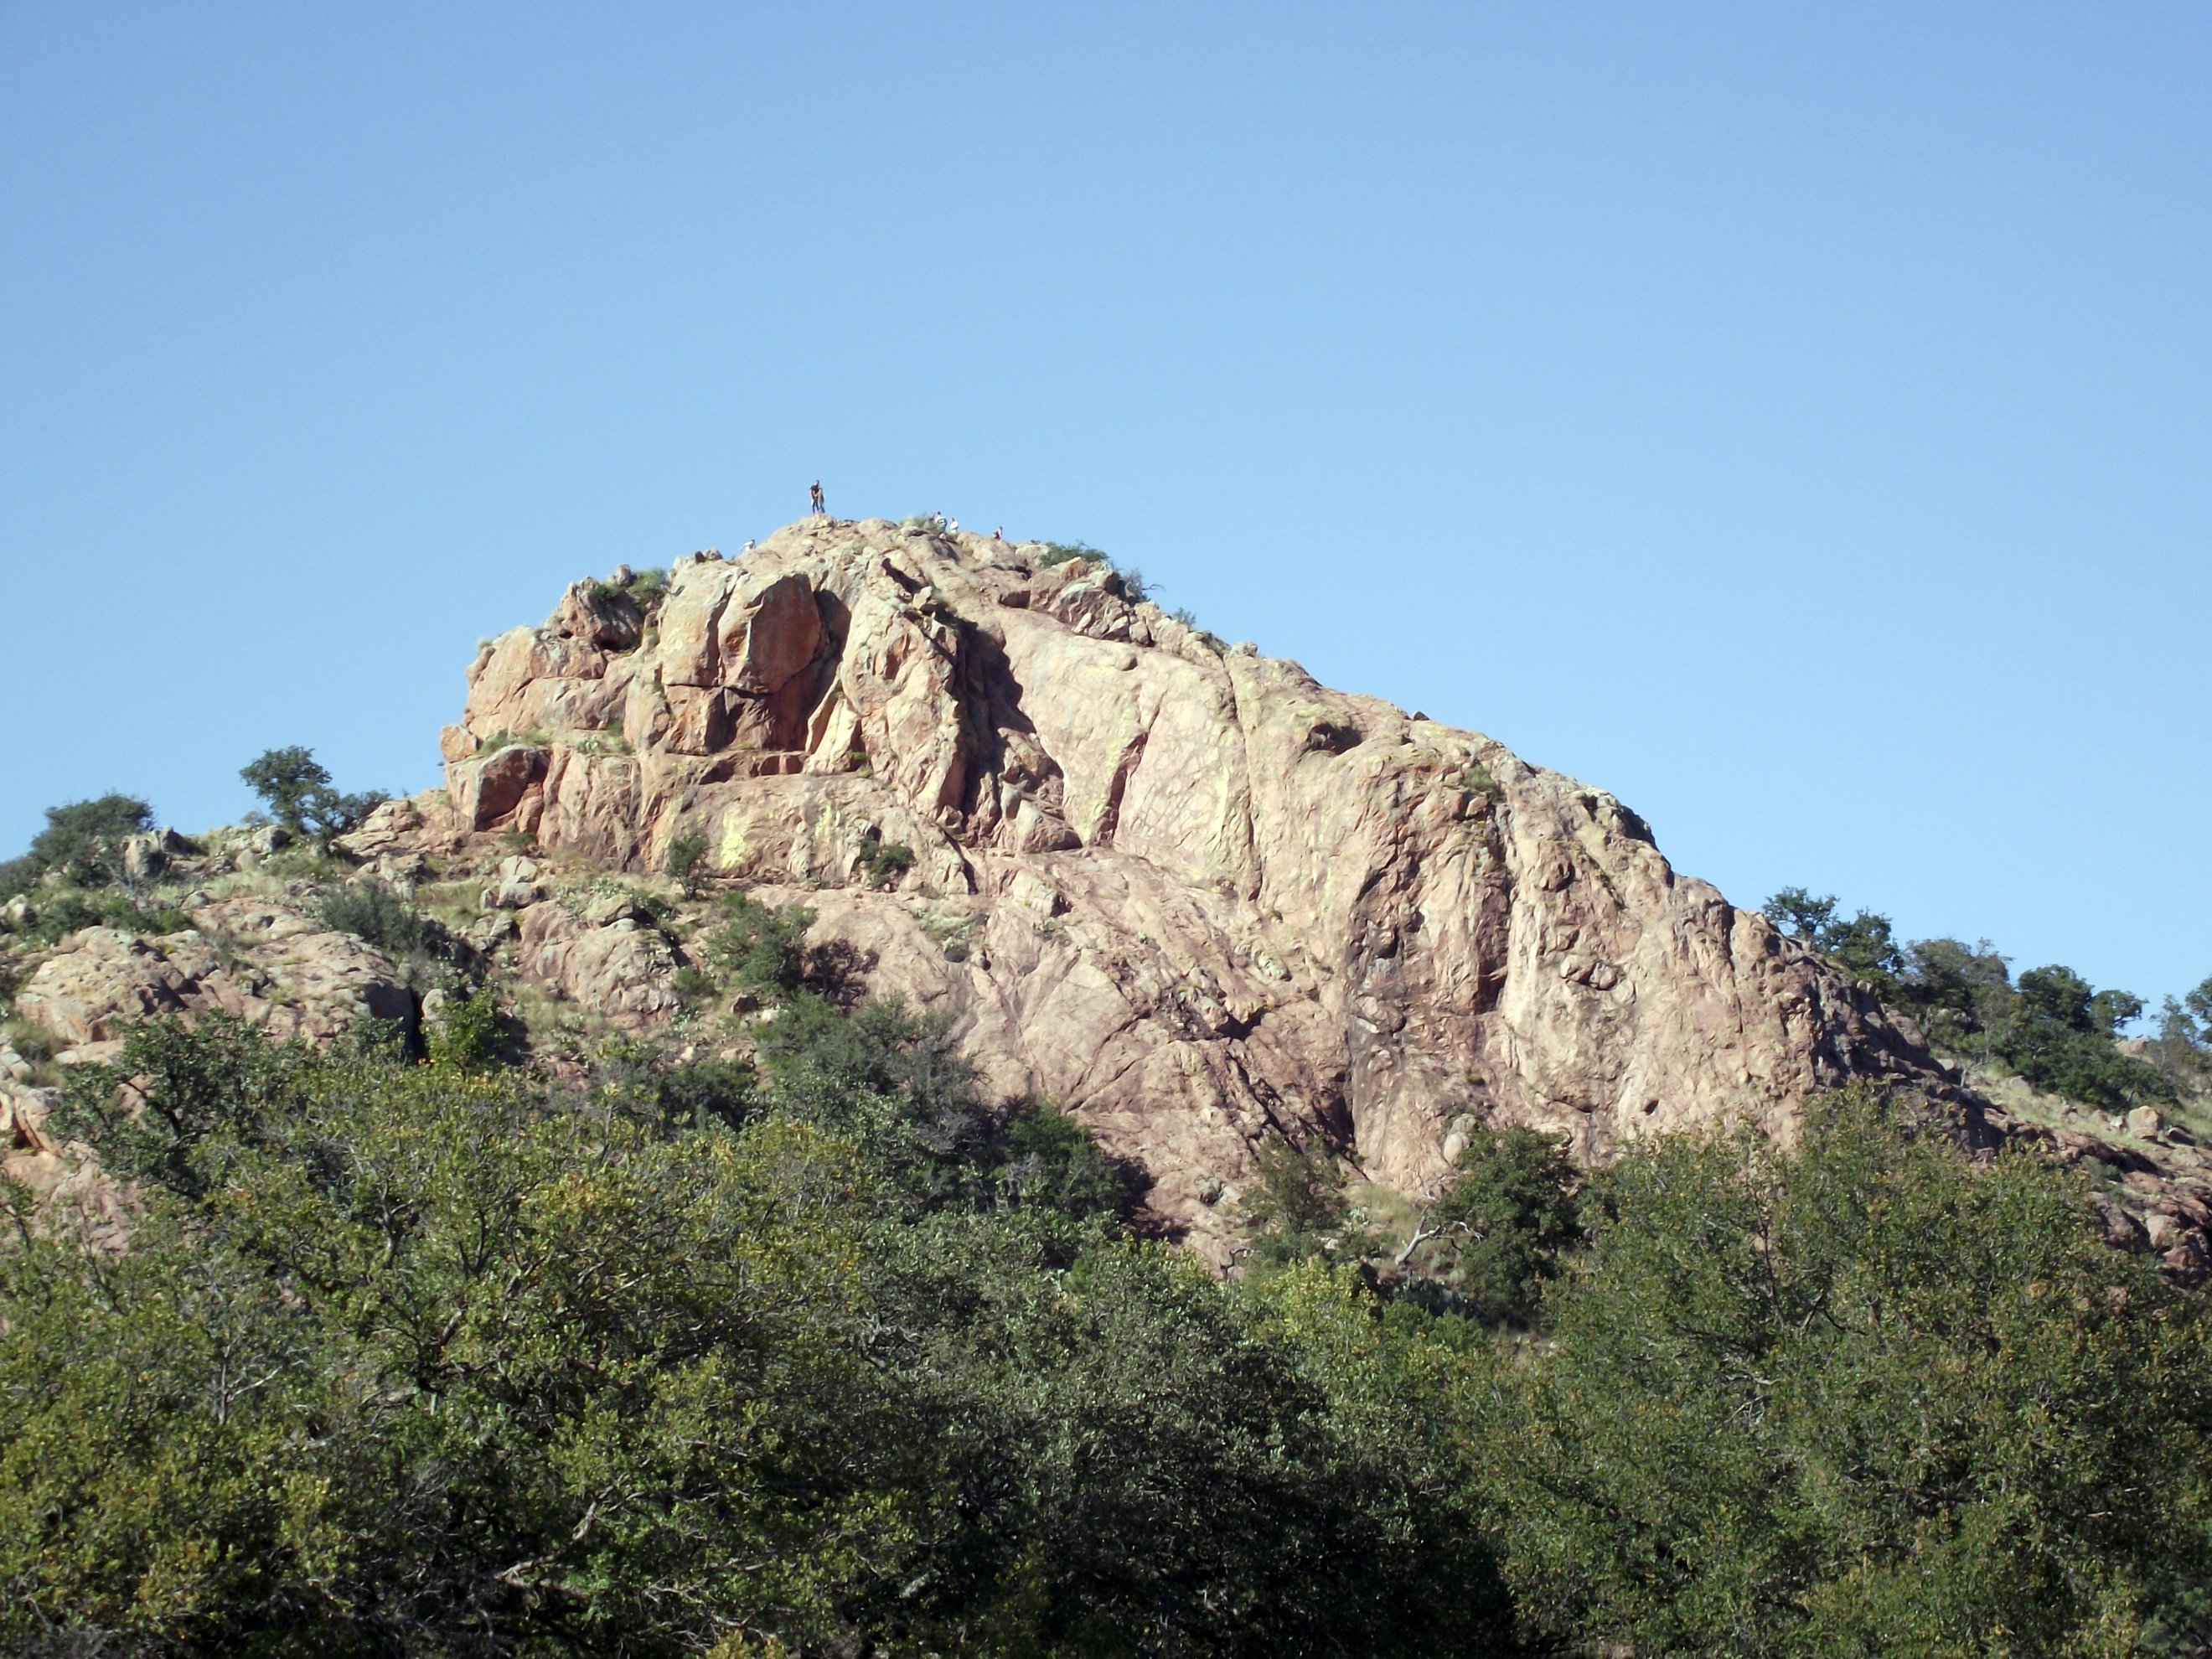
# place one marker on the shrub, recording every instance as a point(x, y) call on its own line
point(1474, 778)
point(883, 862)
point(62, 911)
point(2058, 1035)
point(689, 1095)
point(1297, 1208)
point(373, 911)
point(34, 1041)
point(1047, 1158)
point(1132, 580)
point(686, 853)
point(763, 949)
point(1957, 992)
point(471, 1033)
point(1500, 1229)
point(81, 843)
point(405, 1361)
point(1055, 553)
point(1860, 1398)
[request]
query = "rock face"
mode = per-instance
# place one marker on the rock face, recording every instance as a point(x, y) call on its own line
point(285, 973)
point(1186, 890)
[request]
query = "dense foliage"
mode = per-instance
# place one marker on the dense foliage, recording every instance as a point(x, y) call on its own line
point(430, 1358)
point(825, 1352)
point(2053, 1029)
point(1862, 1399)
point(831, 1353)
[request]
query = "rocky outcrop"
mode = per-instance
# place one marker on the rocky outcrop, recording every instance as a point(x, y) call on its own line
point(605, 958)
point(260, 961)
point(1187, 891)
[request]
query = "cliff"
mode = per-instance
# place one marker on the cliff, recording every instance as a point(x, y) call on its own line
point(1186, 890)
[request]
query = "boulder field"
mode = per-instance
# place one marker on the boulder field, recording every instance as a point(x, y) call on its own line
point(1181, 888)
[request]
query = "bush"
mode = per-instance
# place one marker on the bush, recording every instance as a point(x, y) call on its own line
point(82, 844)
point(411, 1360)
point(472, 1033)
point(373, 911)
point(296, 789)
point(1501, 1227)
point(2058, 1035)
point(1057, 553)
point(689, 1095)
point(62, 911)
point(883, 862)
point(1474, 778)
point(1864, 1398)
point(686, 853)
point(1958, 992)
point(1297, 1210)
point(27, 1037)
point(764, 950)
point(2182, 1048)
point(1045, 1156)
point(1863, 946)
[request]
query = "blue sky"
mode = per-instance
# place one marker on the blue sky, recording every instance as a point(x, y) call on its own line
point(1793, 419)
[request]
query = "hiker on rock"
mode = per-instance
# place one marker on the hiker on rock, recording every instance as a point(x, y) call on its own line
point(814, 499)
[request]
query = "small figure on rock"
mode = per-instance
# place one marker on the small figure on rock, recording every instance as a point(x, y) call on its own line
point(749, 545)
point(814, 499)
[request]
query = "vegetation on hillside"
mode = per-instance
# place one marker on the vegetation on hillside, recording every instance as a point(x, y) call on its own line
point(827, 1352)
point(2051, 1027)
point(804, 1344)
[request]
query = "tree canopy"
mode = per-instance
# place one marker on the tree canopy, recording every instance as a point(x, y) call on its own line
point(830, 1353)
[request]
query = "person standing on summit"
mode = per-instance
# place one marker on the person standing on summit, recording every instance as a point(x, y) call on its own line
point(814, 499)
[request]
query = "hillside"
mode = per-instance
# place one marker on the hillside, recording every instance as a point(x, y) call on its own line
point(748, 1168)
point(1179, 888)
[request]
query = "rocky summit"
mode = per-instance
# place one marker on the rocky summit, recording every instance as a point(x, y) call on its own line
point(1178, 887)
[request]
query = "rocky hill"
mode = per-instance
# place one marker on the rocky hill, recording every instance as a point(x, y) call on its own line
point(1178, 887)
point(1182, 889)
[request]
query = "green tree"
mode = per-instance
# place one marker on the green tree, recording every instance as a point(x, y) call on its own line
point(423, 1359)
point(762, 948)
point(2058, 1035)
point(685, 861)
point(400, 1360)
point(81, 843)
point(298, 791)
point(1298, 1209)
point(1501, 1226)
point(1863, 1398)
point(1800, 914)
point(2182, 1048)
point(1958, 992)
point(1863, 945)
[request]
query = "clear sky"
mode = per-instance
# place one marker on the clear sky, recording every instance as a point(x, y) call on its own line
point(1794, 419)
